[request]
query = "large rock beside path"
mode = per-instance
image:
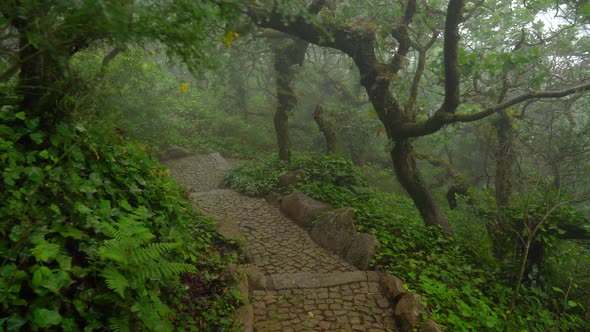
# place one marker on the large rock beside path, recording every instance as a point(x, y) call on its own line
point(302, 209)
point(409, 310)
point(334, 230)
point(362, 249)
point(220, 162)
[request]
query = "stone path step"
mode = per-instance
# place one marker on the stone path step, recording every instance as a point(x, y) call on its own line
point(356, 306)
point(316, 280)
point(308, 287)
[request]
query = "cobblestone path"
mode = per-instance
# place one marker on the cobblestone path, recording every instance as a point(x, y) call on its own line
point(310, 288)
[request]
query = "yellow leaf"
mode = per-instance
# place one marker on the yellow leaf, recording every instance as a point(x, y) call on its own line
point(229, 38)
point(310, 314)
point(183, 87)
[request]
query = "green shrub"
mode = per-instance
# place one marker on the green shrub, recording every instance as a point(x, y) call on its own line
point(96, 236)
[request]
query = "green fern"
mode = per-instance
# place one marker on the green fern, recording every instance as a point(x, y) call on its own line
point(115, 281)
point(128, 231)
point(132, 264)
point(120, 324)
point(163, 271)
point(112, 250)
point(151, 251)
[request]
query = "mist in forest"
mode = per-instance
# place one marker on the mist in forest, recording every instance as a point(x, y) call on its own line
point(458, 132)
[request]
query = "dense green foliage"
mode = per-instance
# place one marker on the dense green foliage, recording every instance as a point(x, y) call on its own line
point(96, 235)
point(459, 276)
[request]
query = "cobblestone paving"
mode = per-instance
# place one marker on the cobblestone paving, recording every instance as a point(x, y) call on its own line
point(197, 173)
point(353, 307)
point(279, 246)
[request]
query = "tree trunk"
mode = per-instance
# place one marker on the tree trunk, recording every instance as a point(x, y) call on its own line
point(502, 232)
point(281, 122)
point(410, 178)
point(288, 52)
point(504, 159)
point(327, 130)
point(40, 83)
point(41, 75)
point(237, 80)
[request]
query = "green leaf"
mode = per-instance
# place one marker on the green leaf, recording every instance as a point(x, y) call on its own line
point(65, 262)
point(80, 127)
point(45, 251)
point(14, 323)
point(44, 279)
point(32, 123)
point(69, 231)
point(20, 115)
point(83, 209)
point(572, 304)
point(37, 137)
point(45, 318)
point(557, 289)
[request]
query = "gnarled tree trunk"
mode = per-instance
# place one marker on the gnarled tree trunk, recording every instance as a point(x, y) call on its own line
point(288, 52)
point(410, 178)
point(327, 129)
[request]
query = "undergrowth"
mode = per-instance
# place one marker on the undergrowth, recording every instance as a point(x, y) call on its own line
point(94, 235)
point(457, 275)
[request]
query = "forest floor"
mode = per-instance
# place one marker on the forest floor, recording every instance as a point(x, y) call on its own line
point(310, 289)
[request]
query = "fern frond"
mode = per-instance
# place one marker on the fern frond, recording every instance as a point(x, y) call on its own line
point(120, 324)
point(112, 250)
point(115, 281)
point(172, 269)
point(151, 251)
point(162, 271)
point(133, 232)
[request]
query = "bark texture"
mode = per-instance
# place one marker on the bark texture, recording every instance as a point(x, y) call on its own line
point(327, 129)
point(504, 159)
point(409, 176)
point(288, 53)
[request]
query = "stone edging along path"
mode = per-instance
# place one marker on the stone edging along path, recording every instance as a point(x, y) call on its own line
point(292, 283)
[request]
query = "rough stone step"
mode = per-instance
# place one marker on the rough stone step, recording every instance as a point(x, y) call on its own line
point(210, 192)
point(319, 280)
point(355, 306)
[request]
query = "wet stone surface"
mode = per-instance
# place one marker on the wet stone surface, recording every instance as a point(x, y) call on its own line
point(280, 247)
point(351, 307)
point(199, 173)
point(277, 244)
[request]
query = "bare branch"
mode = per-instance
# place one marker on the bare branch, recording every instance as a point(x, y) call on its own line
point(419, 71)
point(400, 33)
point(440, 119)
point(516, 100)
